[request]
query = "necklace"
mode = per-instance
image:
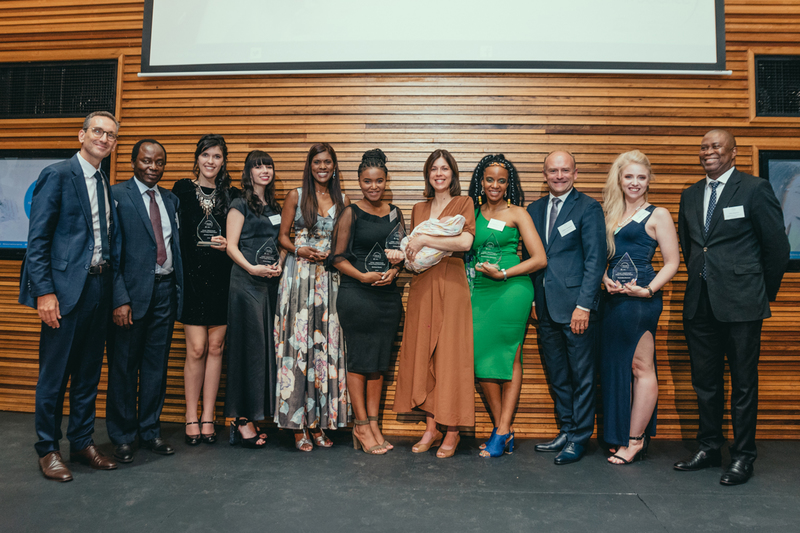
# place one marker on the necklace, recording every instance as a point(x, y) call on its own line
point(619, 225)
point(206, 201)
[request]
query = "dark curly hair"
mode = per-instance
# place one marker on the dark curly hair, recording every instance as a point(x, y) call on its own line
point(514, 190)
point(374, 158)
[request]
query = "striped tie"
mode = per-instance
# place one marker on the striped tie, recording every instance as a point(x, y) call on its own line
point(712, 203)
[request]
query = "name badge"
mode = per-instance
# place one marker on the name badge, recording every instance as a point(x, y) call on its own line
point(275, 220)
point(393, 215)
point(496, 224)
point(641, 215)
point(732, 213)
point(566, 229)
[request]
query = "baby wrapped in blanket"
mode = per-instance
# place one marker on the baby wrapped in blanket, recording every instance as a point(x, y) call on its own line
point(427, 257)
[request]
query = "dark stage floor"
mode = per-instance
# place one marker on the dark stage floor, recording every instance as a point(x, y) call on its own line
point(220, 488)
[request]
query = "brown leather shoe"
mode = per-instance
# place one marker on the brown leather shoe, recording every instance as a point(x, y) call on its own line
point(91, 456)
point(54, 468)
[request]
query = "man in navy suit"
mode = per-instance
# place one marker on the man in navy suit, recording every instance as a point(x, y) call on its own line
point(736, 251)
point(567, 292)
point(147, 298)
point(73, 248)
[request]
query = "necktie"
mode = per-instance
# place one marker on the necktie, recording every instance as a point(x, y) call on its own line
point(155, 220)
point(712, 203)
point(101, 208)
point(553, 215)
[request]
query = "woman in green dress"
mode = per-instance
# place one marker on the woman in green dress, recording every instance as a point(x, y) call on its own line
point(502, 291)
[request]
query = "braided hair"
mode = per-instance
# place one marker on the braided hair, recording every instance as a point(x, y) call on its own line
point(374, 158)
point(513, 192)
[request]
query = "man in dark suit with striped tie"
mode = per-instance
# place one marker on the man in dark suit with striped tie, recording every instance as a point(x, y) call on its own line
point(73, 248)
point(734, 244)
point(147, 298)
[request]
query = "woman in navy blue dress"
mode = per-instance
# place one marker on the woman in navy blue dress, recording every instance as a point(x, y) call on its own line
point(634, 229)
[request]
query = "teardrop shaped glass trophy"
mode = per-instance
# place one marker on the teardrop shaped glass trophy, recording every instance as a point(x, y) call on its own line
point(395, 236)
point(268, 253)
point(490, 251)
point(625, 271)
point(315, 238)
point(207, 229)
point(376, 260)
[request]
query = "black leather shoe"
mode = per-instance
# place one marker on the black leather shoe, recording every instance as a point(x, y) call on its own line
point(571, 453)
point(123, 453)
point(700, 460)
point(738, 472)
point(555, 445)
point(157, 445)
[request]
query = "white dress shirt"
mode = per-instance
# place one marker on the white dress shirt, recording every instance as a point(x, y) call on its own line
point(166, 227)
point(91, 187)
point(722, 180)
point(563, 199)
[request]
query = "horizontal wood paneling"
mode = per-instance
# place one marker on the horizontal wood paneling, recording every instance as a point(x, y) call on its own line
point(524, 116)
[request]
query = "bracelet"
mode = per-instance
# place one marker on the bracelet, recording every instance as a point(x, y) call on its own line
point(649, 290)
point(505, 276)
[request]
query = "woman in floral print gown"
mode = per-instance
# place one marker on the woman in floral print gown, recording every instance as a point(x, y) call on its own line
point(311, 391)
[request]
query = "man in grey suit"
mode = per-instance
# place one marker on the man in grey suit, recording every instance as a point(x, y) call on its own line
point(147, 297)
point(736, 252)
point(567, 293)
point(73, 248)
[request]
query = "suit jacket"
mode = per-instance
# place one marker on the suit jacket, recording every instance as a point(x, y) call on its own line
point(60, 236)
point(745, 255)
point(133, 281)
point(575, 261)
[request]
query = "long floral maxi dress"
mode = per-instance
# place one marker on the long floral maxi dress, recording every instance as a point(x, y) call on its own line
point(312, 389)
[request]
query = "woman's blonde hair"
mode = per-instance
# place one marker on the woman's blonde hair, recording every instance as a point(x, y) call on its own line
point(613, 198)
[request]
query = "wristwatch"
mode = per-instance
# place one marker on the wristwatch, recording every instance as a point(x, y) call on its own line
point(649, 290)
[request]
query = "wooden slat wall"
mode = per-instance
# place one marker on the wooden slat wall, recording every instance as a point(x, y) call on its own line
point(522, 115)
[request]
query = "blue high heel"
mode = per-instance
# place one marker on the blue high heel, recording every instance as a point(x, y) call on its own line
point(483, 446)
point(499, 444)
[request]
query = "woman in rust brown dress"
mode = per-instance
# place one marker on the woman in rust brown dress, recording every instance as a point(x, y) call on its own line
point(436, 372)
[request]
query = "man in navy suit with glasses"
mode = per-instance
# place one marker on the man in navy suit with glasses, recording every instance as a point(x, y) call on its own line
point(73, 249)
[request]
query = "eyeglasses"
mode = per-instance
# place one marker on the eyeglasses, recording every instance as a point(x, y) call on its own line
point(99, 132)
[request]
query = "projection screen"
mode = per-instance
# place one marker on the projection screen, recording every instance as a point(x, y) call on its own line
point(313, 36)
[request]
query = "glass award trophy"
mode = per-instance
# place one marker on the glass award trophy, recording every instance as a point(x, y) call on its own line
point(208, 228)
point(395, 236)
point(315, 238)
point(268, 253)
point(376, 260)
point(490, 251)
point(625, 271)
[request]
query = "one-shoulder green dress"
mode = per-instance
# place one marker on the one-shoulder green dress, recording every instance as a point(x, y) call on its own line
point(500, 309)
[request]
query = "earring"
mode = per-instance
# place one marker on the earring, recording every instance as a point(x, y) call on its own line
point(480, 200)
point(509, 202)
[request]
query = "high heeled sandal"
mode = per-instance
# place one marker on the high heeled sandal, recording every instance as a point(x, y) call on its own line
point(378, 449)
point(499, 444)
point(435, 441)
point(483, 446)
point(208, 438)
point(251, 442)
point(444, 454)
point(192, 440)
point(386, 444)
point(637, 456)
point(321, 439)
point(303, 442)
